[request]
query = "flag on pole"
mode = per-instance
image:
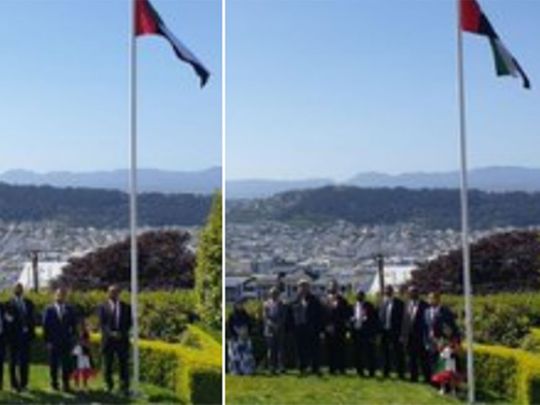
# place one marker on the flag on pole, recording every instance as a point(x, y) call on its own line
point(474, 20)
point(148, 22)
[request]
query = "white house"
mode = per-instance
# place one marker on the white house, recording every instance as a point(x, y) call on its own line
point(394, 275)
point(47, 271)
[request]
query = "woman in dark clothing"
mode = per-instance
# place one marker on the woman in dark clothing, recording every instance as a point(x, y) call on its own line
point(240, 350)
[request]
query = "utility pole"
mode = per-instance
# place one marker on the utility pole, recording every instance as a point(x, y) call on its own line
point(34, 256)
point(379, 258)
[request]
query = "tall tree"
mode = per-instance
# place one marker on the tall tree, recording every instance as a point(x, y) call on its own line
point(166, 262)
point(209, 266)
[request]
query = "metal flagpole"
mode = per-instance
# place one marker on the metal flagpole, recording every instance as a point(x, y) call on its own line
point(465, 212)
point(133, 191)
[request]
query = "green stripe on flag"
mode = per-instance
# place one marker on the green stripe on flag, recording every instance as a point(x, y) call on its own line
point(504, 64)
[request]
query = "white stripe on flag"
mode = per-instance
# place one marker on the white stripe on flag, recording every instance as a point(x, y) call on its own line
point(180, 47)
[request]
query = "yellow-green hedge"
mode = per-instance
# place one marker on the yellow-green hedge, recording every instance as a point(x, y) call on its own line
point(511, 373)
point(193, 373)
point(192, 370)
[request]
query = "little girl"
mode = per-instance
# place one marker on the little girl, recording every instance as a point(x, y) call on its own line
point(84, 370)
point(447, 377)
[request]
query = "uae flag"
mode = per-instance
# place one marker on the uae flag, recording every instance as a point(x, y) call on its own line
point(148, 22)
point(474, 20)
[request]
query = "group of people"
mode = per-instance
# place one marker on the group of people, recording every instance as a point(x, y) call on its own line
point(397, 335)
point(67, 338)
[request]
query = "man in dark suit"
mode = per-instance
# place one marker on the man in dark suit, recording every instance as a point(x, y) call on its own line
point(115, 320)
point(391, 319)
point(307, 315)
point(60, 333)
point(338, 315)
point(274, 318)
point(365, 325)
point(3, 339)
point(413, 335)
point(20, 327)
point(440, 324)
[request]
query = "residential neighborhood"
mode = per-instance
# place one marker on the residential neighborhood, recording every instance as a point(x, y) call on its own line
point(262, 254)
point(49, 245)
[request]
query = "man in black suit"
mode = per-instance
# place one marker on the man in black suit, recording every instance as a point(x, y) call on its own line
point(3, 338)
point(391, 318)
point(307, 316)
point(413, 335)
point(115, 320)
point(365, 325)
point(20, 327)
point(440, 324)
point(60, 333)
point(338, 315)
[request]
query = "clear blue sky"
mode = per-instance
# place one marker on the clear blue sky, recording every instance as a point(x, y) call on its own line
point(64, 84)
point(331, 88)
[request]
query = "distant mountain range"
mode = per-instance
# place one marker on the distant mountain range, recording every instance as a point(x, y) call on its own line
point(149, 180)
point(430, 208)
point(206, 181)
point(486, 179)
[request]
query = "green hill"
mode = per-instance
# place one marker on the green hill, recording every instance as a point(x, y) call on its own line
point(99, 208)
point(432, 208)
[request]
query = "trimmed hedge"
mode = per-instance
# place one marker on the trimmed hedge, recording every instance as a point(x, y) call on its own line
point(502, 319)
point(511, 373)
point(192, 370)
point(193, 373)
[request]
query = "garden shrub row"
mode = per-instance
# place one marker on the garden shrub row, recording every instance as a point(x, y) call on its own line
point(502, 319)
point(191, 370)
point(194, 374)
point(512, 374)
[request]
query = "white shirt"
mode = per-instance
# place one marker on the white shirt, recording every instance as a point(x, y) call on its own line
point(115, 309)
point(60, 310)
point(413, 307)
point(388, 314)
point(359, 315)
point(449, 360)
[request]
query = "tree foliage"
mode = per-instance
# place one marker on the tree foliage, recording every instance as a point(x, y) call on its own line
point(431, 208)
point(504, 262)
point(166, 262)
point(99, 208)
point(209, 266)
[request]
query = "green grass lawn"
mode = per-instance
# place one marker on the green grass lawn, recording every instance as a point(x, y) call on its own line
point(40, 392)
point(329, 390)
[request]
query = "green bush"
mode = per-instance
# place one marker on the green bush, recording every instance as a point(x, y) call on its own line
point(502, 319)
point(509, 373)
point(163, 315)
point(193, 372)
point(531, 342)
point(208, 270)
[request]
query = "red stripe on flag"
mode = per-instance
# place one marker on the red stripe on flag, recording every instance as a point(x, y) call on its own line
point(145, 21)
point(470, 15)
